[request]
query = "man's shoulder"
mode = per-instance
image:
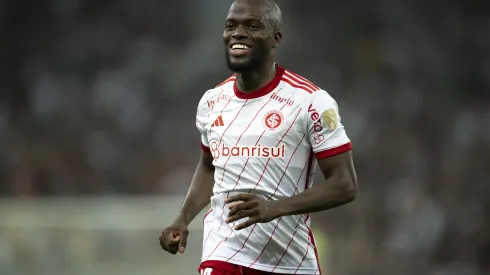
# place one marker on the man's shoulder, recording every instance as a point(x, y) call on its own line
point(227, 82)
point(303, 88)
point(218, 93)
point(299, 84)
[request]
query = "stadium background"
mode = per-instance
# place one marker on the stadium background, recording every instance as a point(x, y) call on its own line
point(98, 142)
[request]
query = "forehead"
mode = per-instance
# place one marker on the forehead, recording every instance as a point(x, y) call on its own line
point(241, 10)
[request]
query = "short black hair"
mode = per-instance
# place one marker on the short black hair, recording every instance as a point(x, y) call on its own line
point(272, 15)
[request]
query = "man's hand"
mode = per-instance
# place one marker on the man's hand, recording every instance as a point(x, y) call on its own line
point(174, 238)
point(257, 210)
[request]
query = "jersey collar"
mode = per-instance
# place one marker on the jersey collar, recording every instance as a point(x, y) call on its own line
point(264, 90)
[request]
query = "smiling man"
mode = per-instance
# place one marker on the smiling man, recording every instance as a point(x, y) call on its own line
point(263, 130)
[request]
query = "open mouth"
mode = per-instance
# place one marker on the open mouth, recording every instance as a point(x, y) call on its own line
point(239, 49)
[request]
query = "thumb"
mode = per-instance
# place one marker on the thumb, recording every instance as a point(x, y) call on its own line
point(183, 240)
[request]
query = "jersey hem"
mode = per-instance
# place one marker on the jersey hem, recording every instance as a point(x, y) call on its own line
point(334, 151)
point(266, 268)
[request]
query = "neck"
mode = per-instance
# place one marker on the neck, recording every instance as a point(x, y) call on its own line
point(248, 82)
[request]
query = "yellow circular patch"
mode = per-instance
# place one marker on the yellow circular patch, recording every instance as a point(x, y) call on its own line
point(330, 119)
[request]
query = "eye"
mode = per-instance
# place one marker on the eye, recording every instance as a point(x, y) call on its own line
point(253, 27)
point(229, 26)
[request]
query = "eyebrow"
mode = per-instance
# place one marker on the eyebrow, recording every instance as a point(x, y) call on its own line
point(254, 19)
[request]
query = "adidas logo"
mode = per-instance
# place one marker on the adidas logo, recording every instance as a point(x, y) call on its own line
point(218, 122)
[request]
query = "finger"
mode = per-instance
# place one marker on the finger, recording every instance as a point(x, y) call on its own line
point(234, 204)
point(168, 235)
point(246, 224)
point(242, 214)
point(242, 206)
point(170, 248)
point(183, 240)
point(176, 239)
point(239, 197)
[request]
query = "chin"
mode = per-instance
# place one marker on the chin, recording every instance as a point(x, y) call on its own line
point(240, 66)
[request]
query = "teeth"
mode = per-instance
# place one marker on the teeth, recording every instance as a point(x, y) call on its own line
point(239, 47)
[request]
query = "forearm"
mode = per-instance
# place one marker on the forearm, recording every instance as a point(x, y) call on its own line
point(199, 194)
point(330, 194)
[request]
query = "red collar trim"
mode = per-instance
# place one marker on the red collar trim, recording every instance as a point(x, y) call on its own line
point(262, 91)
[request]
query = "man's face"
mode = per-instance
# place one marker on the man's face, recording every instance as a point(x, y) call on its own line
point(248, 41)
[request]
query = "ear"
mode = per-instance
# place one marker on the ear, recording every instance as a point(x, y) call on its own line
point(277, 39)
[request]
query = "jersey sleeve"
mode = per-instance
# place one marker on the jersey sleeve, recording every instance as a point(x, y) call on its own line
point(200, 124)
point(326, 133)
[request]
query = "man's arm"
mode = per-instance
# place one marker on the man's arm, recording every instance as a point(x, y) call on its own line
point(338, 187)
point(200, 190)
point(174, 237)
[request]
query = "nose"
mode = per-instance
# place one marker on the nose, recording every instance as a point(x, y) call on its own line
point(239, 32)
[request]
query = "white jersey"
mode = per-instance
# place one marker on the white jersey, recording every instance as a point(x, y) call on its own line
point(266, 143)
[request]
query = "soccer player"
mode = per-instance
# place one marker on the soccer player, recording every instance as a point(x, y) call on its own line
point(262, 132)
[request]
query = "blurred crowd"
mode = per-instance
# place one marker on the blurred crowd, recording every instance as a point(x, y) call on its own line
point(98, 97)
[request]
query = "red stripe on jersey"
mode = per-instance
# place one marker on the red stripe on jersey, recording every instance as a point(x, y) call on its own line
point(231, 78)
point(334, 151)
point(307, 163)
point(224, 107)
point(240, 137)
point(221, 138)
point(307, 181)
point(270, 238)
point(261, 176)
point(212, 107)
point(267, 163)
point(292, 123)
point(229, 100)
point(222, 179)
point(286, 101)
point(219, 228)
point(292, 155)
point(301, 82)
point(290, 241)
point(312, 239)
point(256, 114)
point(252, 230)
point(246, 162)
point(241, 248)
point(239, 176)
point(304, 257)
point(231, 232)
point(205, 148)
point(285, 169)
point(223, 176)
point(304, 80)
point(295, 85)
point(206, 215)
